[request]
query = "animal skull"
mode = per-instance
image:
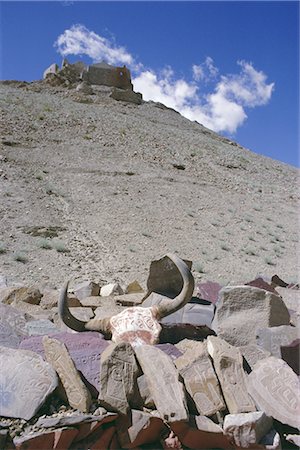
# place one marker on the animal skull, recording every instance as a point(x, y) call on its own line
point(136, 325)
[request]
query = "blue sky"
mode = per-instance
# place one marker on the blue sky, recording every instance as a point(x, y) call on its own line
point(233, 66)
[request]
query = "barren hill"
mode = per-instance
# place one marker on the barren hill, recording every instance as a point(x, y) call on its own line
point(95, 188)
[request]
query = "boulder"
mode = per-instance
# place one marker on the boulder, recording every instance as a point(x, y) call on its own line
point(275, 389)
point(247, 428)
point(243, 309)
point(26, 382)
point(20, 294)
point(228, 364)
point(57, 355)
point(127, 96)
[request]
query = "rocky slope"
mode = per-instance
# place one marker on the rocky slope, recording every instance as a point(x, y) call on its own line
point(95, 188)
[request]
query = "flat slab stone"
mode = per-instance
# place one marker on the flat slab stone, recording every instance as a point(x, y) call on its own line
point(252, 353)
point(174, 333)
point(82, 313)
point(20, 294)
point(244, 309)
point(86, 289)
point(75, 419)
point(247, 428)
point(271, 339)
point(85, 349)
point(25, 383)
point(164, 386)
point(119, 372)
point(209, 291)
point(170, 350)
point(200, 380)
point(57, 355)
point(12, 326)
point(193, 313)
point(40, 327)
point(145, 428)
point(56, 440)
point(261, 284)
point(228, 364)
point(291, 355)
point(275, 389)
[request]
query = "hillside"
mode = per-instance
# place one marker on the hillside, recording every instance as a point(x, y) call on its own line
point(109, 186)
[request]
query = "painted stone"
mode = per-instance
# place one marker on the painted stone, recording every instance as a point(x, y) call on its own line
point(244, 309)
point(228, 364)
point(25, 383)
point(119, 371)
point(209, 291)
point(271, 339)
point(164, 386)
point(247, 428)
point(57, 355)
point(275, 389)
point(201, 383)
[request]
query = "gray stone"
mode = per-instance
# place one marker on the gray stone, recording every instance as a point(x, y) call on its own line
point(252, 353)
point(12, 326)
point(247, 428)
point(41, 326)
point(82, 313)
point(145, 393)
point(200, 380)
point(291, 297)
point(77, 393)
point(170, 350)
point(75, 419)
point(26, 381)
point(228, 364)
point(164, 386)
point(119, 371)
point(86, 289)
point(244, 309)
point(145, 428)
point(193, 313)
point(275, 389)
point(209, 291)
point(127, 96)
point(51, 296)
point(111, 289)
point(85, 88)
point(271, 339)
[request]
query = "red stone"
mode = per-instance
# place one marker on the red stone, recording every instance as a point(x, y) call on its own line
point(60, 439)
point(261, 284)
point(208, 291)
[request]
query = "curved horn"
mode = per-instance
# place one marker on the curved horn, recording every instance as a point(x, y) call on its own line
point(102, 325)
point(167, 307)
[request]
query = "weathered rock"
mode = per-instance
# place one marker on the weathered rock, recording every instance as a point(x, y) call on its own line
point(57, 355)
point(145, 429)
point(85, 349)
point(271, 339)
point(200, 433)
point(247, 428)
point(243, 309)
point(41, 326)
point(111, 289)
point(119, 371)
point(208, 291)
point(86, 289)
point(193, 313)
point(133, 288)
point(170, 350)
point(200, 380)
point(291, 298)
point(82, 313)
point(127, 96)
point(252, 353)
point(133, 299)
point(260, 283)
point(275, 389)
point(164, 386)
point(12, 326)
point(174, 333)
point(57, 440)
point(228, 363)
point(291, 355)
point(192, 350)
point(50, 299)
point(20, 294)
point(85, 88)
point(75, 419)
point(145, 393)
point(26, 381)
point(93, 301)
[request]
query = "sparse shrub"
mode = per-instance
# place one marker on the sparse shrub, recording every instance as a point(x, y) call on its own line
point(60, 247)
point(3, 248)
point(251, 238)
point(198, 267)
point(45, 244)
point(146, 235)
point(250, 251)
point(257, 208)
point(215, 224)
point(225, 248)
point(20, 257)
point(269, 261)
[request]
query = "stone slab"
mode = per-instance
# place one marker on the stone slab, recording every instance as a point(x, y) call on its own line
point(192, 313)
point(86, 289)
point(57, 355)
point(26, 382)
point(247, 428)
point(209, 291)
point(174, 333)
point(252, 353)
point(291, 355)
point(12, 326)
point(261, 284)
point(145, 428)
point(75, 419)
point(119, 372)
point(133, 288)
point(228, 364)
point(164, 386)
point(170, 350)
point(201, 382)
point(40, 327)
point(275, 389)
point(271, 339)
point(291, 297)
point(57, 440)
point(82, 313)
point(244, 309)
point(20, 294)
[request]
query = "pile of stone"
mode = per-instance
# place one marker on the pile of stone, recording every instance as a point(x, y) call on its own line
point(83, 77)
point(223, 375)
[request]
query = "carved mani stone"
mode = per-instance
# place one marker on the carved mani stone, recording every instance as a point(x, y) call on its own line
point(252, 353)
point(77, 393)
point(271, 339)
point(228, 363)
point(25, 382)
point(12, 326)
point(243, 309)
point(164, 386)
point(247, 428)
point(201, 382)
point(275, 389)
point(119, 372)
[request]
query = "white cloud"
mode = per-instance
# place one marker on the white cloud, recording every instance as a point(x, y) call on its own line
point(221, 109)
point(78, 40)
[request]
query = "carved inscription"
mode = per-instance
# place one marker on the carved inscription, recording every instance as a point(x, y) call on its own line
point(56, 353)
point(271, 339)
point(228, 365)
point(276, 390)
